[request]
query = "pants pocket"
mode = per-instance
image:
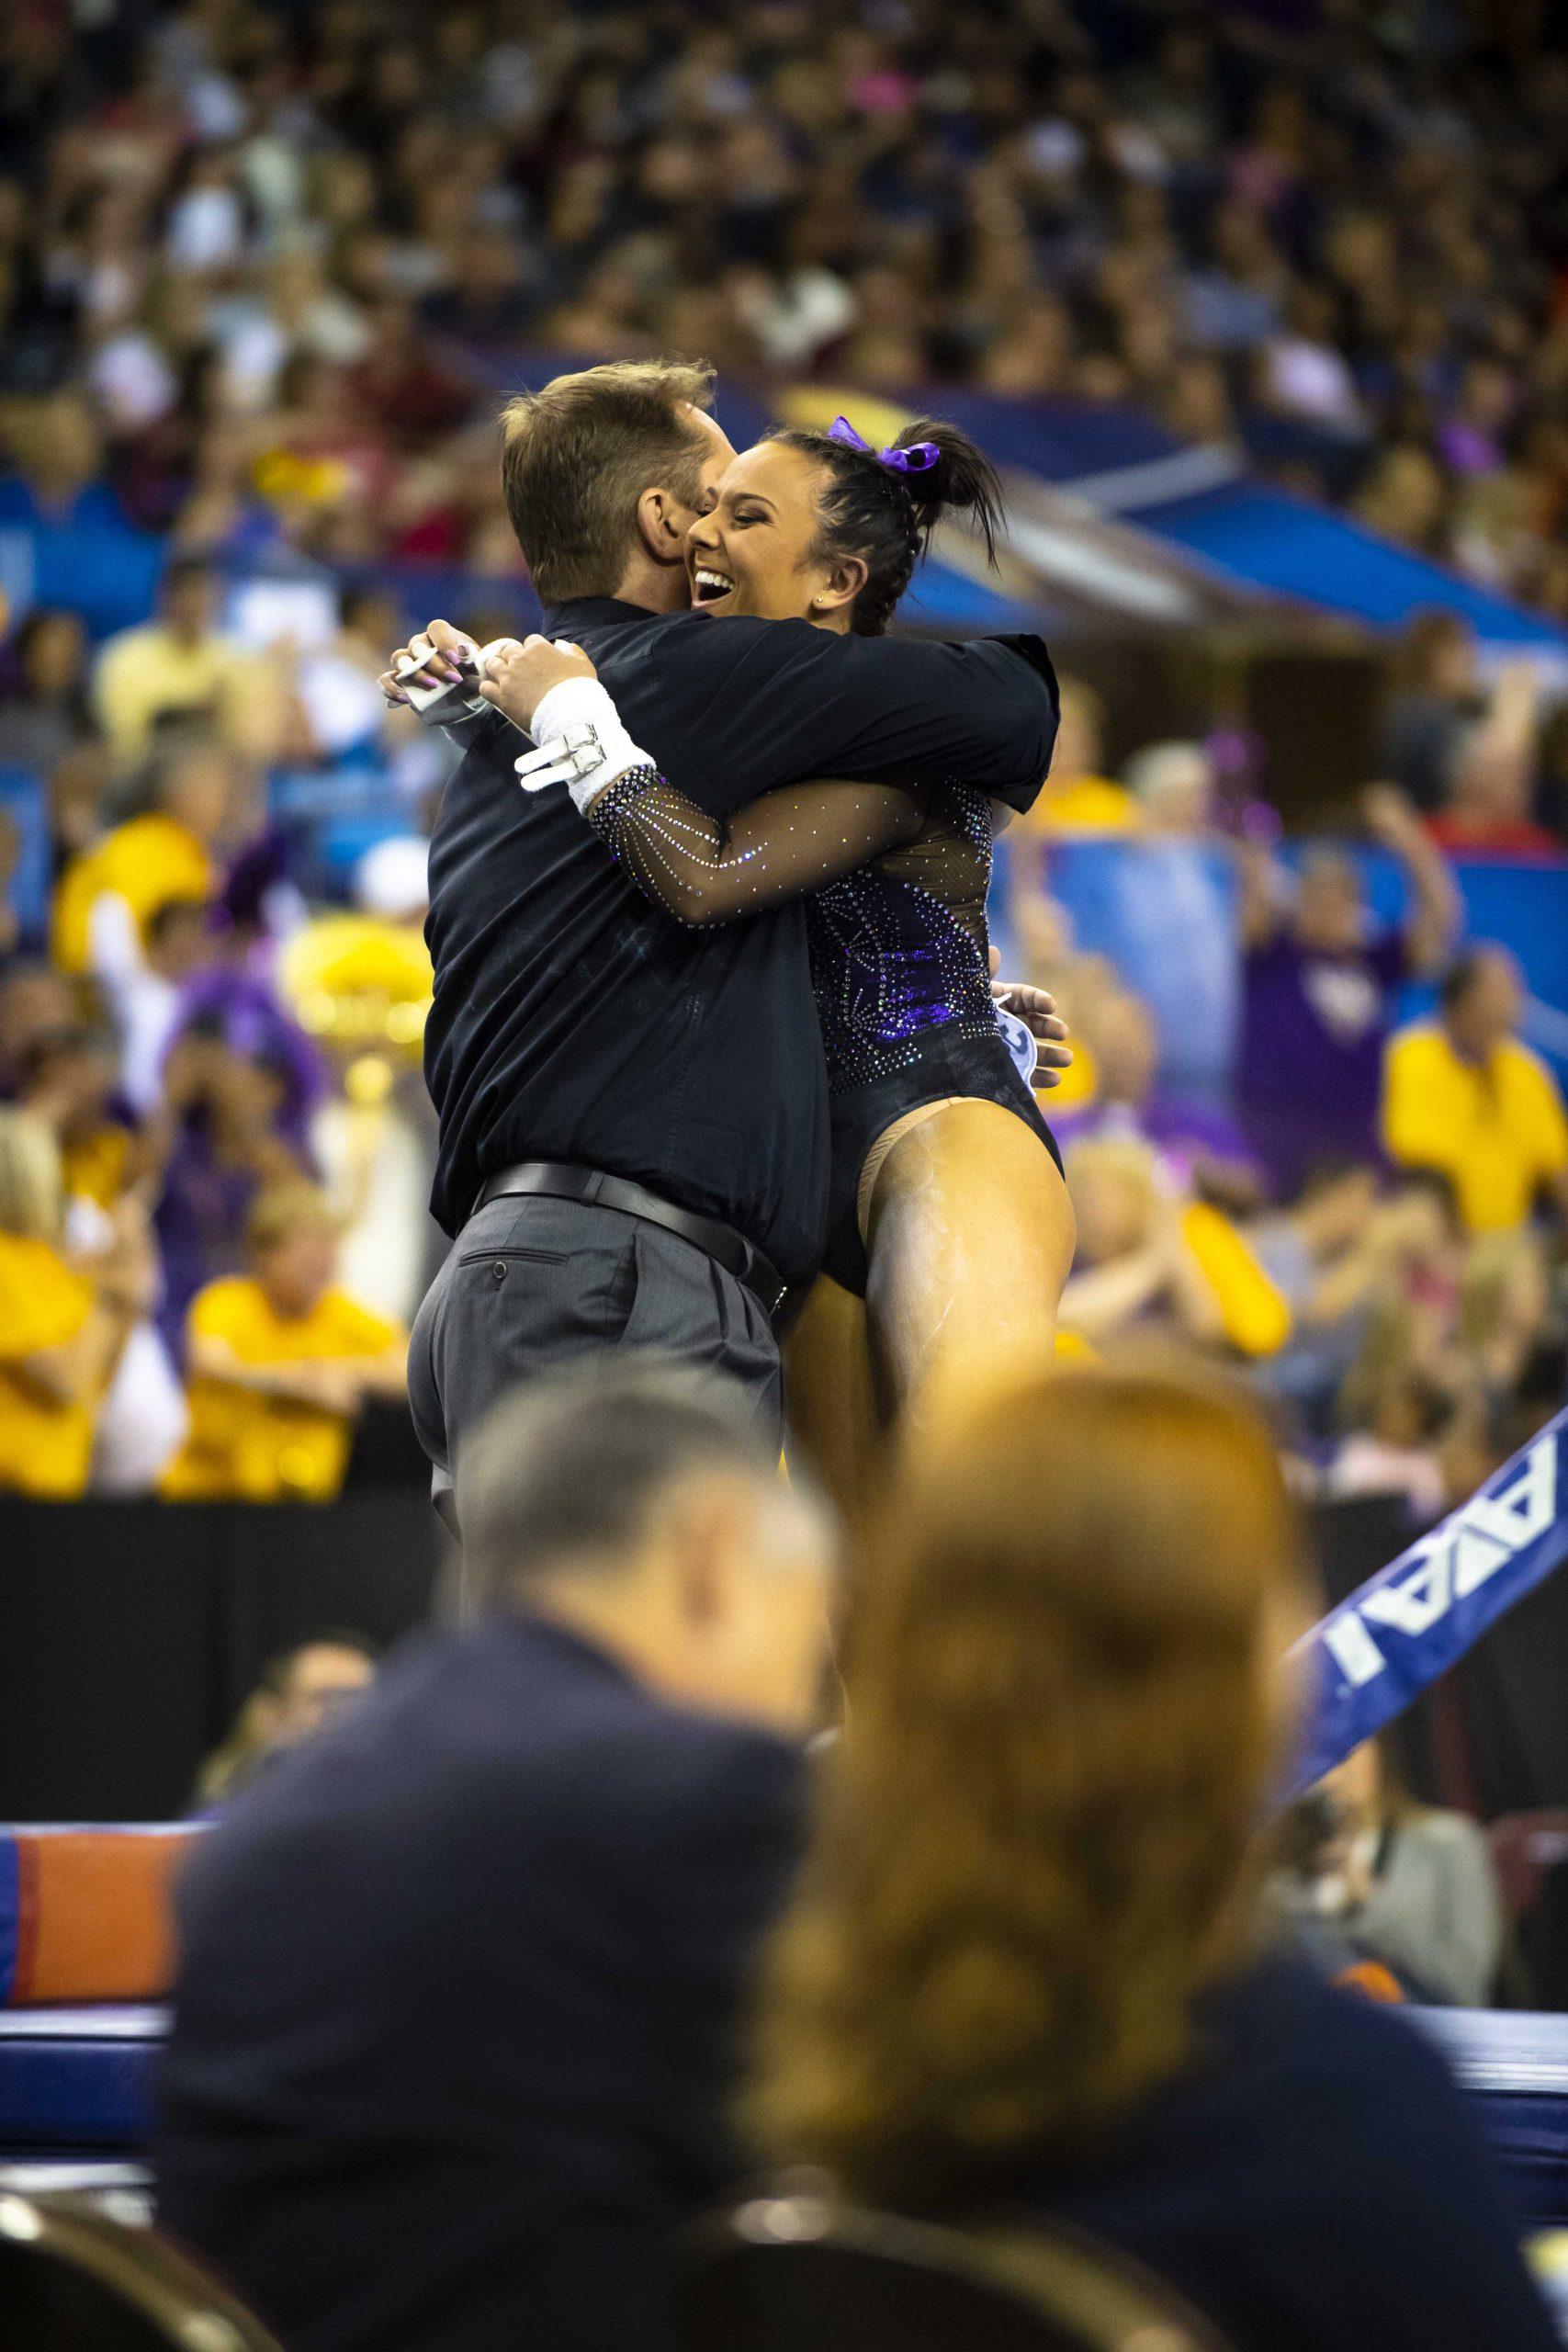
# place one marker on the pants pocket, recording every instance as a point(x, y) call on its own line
point(511, 1250)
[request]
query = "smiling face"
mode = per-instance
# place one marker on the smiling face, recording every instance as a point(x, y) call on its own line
point(756, 550)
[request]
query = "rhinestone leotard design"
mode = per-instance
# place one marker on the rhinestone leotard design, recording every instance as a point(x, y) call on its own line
point(898, 949)
point(898, 946)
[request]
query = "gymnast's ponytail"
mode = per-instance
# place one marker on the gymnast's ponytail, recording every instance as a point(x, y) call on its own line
point(883, 505)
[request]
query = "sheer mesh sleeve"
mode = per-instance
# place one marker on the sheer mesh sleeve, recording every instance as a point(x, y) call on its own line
point(705, 869)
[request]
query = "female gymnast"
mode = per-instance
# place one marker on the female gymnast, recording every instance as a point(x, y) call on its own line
point(950, 1215)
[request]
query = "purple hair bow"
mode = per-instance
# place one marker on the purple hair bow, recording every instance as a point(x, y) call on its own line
point(918, 460)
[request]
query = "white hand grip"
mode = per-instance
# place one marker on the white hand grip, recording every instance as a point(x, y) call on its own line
point(440, 700)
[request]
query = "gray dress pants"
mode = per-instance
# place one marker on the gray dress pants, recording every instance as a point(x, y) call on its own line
point(533, 1283)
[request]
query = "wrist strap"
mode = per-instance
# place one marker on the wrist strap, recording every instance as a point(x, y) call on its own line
point(581, 743)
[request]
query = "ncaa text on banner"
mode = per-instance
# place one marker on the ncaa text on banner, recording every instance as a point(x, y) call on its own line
point(1381, 1648)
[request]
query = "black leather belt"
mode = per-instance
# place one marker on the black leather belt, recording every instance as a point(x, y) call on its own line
point(556, 1179)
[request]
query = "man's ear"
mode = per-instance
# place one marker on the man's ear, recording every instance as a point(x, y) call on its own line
point(847, 576)
point(662, 527)
point(710, 1523)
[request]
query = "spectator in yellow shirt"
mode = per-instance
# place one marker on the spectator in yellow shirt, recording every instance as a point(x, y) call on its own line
point(1148, 1259)
point(280, 1364)
point(64, 1325)
point(182, 665)
point(1076, 799)
point(1462, 1095)
point(109, 893)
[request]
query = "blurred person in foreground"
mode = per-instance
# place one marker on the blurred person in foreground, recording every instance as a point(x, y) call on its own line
point(1320, 981)
point(299, 1692)
point(64, 1318)
point(281, 1363)
point(1024, 1970)
point(1367, 1873)
point(1463, 1095)
point(452, 2040)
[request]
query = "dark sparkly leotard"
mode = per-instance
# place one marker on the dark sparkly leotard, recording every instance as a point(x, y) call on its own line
point(899, 954)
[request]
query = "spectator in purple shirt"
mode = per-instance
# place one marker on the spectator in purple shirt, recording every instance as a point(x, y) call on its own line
point(1214, 1156)
point(1319, 984)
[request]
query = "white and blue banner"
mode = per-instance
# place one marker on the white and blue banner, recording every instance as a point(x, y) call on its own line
point(1376, 1653)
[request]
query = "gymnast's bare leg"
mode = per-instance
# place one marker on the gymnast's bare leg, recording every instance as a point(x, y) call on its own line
point(970, 1237)
point(835, 1429)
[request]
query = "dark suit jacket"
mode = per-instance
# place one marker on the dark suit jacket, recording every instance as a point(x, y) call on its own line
point(1312, 2182)
point(453, 2028)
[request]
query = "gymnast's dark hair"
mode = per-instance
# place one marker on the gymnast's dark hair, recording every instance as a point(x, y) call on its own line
point(887, 517)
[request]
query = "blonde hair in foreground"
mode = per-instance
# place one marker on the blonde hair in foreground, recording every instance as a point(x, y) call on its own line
point(1034, 1838)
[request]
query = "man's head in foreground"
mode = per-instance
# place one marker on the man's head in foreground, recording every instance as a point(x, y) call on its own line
point(604, 472)
point(638, 1505)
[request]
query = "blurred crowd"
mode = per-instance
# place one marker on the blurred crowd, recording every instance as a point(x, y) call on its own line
point(1269, 1159)
point(214, 1137)
point(254, 261)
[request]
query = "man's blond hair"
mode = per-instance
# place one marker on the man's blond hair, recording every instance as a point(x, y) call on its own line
point(578, 455)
